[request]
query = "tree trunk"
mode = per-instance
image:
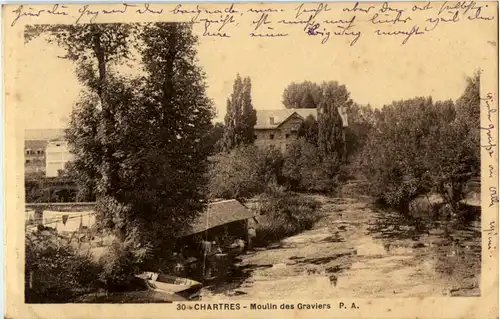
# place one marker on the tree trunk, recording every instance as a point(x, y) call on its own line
point(404, 207)
point(110, 173)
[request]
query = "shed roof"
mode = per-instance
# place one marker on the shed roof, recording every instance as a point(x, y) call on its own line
point(217, 214)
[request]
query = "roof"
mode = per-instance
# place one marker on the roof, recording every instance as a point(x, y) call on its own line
point(35, 145)
point(43, 134)
point(279, 116)
point(217, 214)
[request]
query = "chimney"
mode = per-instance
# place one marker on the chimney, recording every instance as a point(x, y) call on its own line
point(271, 120)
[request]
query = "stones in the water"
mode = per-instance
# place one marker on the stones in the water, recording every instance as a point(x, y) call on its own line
point(417, 245)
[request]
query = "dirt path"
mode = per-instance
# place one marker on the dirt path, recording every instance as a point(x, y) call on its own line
point(356, 251)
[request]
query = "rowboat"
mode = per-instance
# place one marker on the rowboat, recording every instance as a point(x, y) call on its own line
point(172, 284)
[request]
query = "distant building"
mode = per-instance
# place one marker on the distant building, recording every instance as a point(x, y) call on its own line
point(57, 154)
point(35, 144)
point(34, 158)
point(279, 128)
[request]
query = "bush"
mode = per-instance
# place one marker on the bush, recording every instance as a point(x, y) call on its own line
point(54, 272)
point(244, 172)
point(248, 171)
point(61, 189)
point(394, 158)
point(285, 214)
point(303, 169)
point(119, 265)
point(417, 147)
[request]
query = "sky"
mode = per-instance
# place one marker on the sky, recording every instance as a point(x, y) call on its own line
point(375, 72)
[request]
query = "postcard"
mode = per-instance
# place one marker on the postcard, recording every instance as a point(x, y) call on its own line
point(253, 160)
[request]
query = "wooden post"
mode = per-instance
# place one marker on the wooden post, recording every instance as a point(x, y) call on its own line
point(345, 144)
point(31, 279)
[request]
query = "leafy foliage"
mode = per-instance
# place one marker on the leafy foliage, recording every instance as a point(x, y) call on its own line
point(240, 116)
point(244, 172)
point(215, 139)
point(330, 130)
point(51, 190)
point(285, 214)
point(468, 111)
point(393, 157)
point(54, 272)
point(309, 130)
point(418, 146)
point(361, 120)
point(302, 95)
point(140, 143)
point(303, 169)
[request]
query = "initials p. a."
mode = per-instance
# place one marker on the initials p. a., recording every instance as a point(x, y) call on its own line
point(344, 306)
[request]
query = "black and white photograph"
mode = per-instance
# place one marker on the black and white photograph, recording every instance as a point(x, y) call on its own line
point(333, 151)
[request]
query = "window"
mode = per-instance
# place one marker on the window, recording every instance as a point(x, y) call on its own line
point(287, 135)
point(28, 152)
point(39, 152)
point(27, 161)
point(255, 136)
point(294, 131)
point(271, 137)
point(271, 120)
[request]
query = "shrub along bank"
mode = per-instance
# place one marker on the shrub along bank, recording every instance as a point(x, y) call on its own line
point(285, 214)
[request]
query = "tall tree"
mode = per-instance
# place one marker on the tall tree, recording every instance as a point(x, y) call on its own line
point(468, 109)
point(84, 143)
point(240, 116)
point(249, 115)
point(142, 143)
point(361, 120)
point(302, 95)
point(170, 168)
point(309, 130)
point(330, 130)
point(95, 49)
point(216, 135)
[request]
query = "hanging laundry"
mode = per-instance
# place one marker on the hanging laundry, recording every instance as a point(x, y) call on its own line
point(88, 219)
point(50, 218)
point(30, 216)
point(72, 224)
point(38, 216)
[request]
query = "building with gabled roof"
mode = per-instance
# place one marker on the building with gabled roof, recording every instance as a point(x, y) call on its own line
point(279, 128)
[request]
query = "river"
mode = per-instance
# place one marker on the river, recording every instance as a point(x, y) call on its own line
point(358, 250)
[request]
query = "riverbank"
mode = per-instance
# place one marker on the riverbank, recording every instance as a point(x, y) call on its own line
point(357, 250)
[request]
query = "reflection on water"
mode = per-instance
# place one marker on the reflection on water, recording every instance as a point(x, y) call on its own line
point(452, 246)
point(359, 250)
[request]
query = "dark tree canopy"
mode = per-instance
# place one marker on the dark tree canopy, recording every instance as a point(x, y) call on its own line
point(309, 130)
point(330, 131)
point(216, 137)
point(141, 143)
point(302, 95)
point(419, 146)
point(468, 111)
point(361, 119)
